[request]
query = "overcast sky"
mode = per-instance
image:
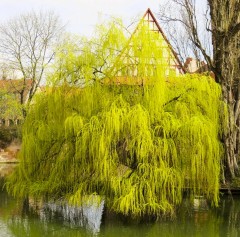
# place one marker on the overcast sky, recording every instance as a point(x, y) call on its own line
point(80, 15)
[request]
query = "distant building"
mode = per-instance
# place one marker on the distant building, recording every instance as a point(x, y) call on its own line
point(169, 54)
point(130, 73)
point(192, 65)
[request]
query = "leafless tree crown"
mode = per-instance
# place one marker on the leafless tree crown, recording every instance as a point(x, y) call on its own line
point(26, 45)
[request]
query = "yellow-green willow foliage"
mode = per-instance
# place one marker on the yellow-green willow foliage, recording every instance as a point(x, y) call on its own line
point(79, 61)
point(139, 146)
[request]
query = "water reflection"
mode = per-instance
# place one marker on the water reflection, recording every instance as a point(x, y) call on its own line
point(88, 216)
point(36, 218)
point(34, 228)
point(18, 219)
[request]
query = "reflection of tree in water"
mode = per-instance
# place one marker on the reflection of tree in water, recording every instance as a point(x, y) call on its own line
point(34, 228)
point(191, 221)
point(212, 222)
point(8, 205)
point(39, 218)
point(230, 213)
point(24, 220)
point(27, 222)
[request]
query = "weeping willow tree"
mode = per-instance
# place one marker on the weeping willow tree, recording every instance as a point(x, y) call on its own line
point(113, 125)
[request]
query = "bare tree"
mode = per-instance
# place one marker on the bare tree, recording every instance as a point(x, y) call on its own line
point(26, 43)
point(222, 22)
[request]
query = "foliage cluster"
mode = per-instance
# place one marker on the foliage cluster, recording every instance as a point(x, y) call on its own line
point(10, 108)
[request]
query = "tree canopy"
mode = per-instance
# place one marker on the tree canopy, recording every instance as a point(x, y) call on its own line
point(137, 145)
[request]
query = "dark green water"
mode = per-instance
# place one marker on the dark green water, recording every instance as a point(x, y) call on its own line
point(38, 220)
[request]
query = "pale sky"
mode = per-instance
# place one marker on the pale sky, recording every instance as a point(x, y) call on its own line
point(80, 15)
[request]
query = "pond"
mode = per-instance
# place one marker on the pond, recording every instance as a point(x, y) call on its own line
point(31, 219)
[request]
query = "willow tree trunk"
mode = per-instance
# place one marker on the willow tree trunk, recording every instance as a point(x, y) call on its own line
point(225, 17)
